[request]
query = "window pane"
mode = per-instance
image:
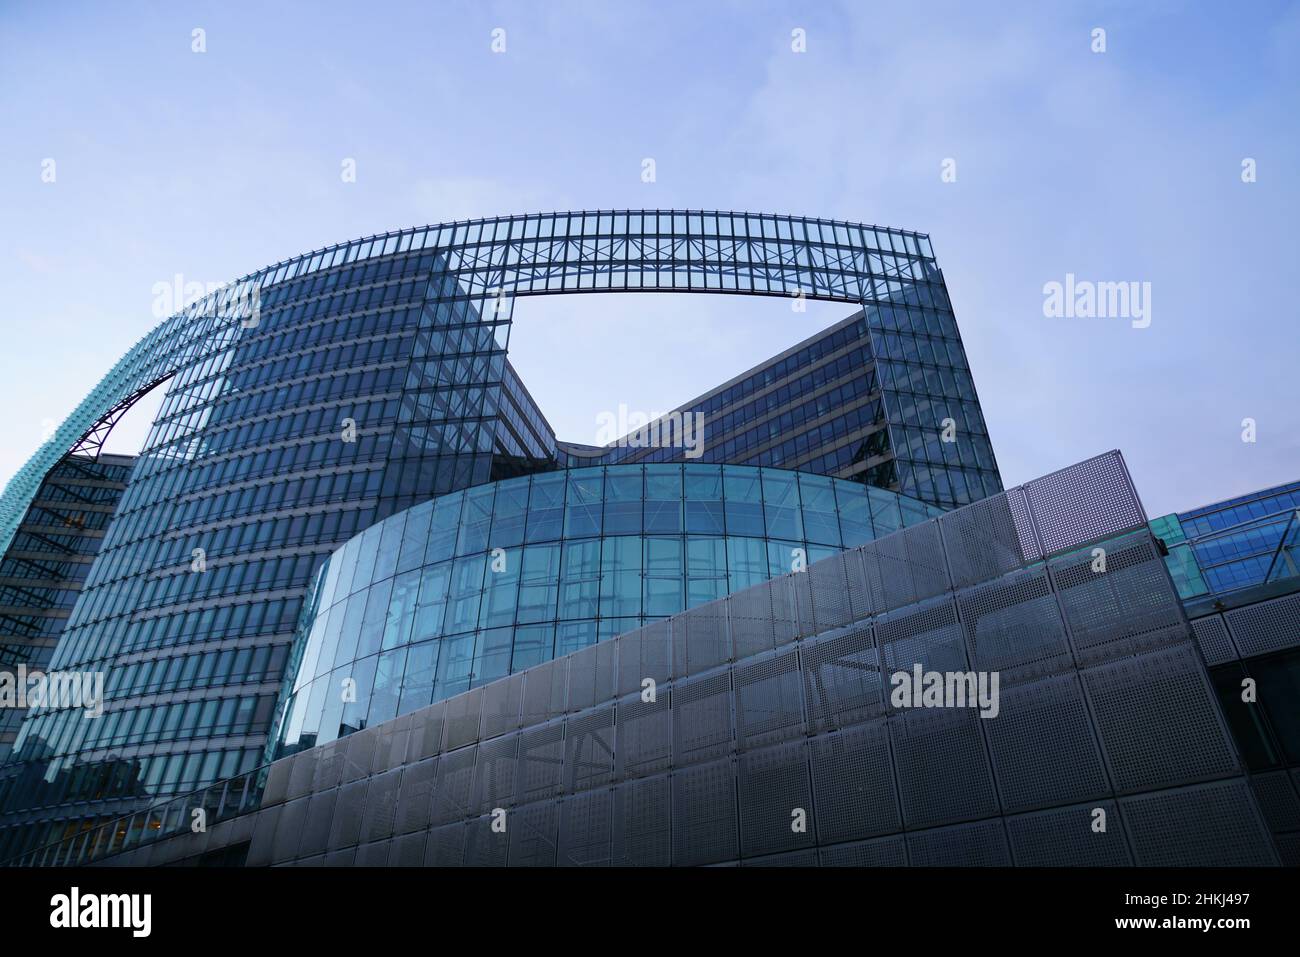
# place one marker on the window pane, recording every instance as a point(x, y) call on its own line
point(744, 503)
point(582, 515)
point(546, 507)
point(663, 498)
point(781, 504)
point(704, 511)
point(623, 502)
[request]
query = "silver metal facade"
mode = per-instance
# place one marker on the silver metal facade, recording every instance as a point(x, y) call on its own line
point(774, 700)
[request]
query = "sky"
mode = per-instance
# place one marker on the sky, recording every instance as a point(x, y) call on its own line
point(995, 128)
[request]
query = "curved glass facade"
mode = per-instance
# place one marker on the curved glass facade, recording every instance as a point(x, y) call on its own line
point(465, 589)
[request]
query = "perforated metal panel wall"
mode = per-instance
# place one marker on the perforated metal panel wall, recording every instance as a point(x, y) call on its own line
point(762, 728)
point(1267, 626)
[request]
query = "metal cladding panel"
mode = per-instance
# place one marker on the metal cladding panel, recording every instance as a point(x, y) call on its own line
point(842, 678)
point(643, 735)
point(446, 846)
point(582, 677)
point(702, 727)
point(861, 600)
point(1043, 746)
point(981, 844)
point(785, 608)
point(426, 732)
point(408, 850)
point(415, 798)
point(592, 675)
point(882, 852)
point(928, 635)
point(451, 797)
point(829, 586)
point(534, 834)
point(854, 791)
point(943, 771)
point(373, 855)
point(541, 761)
point(545, 688)
point(1162, 697)
point(586, 829)
point(277, 781)
point(288, 831)
point(391, 745)
point(1266, 627)
point(643, 823)
point(1069, 837)
point(701, 639)
point(1013, 626)
point(800, 589)
point(1277, 799)
point(988, 538)
point(501, 704)
point(1214, 641)
point(873, 582)
point(750, 615)
point(1210, 825)
point(589, 750)
point(485, 847)
point(776, 806)
point(348, 807)
point(645, 653)
point(911, 565)
point(806, 858)
point(1118, 600)
point(704, 821)
point(360, 754)
point(495, 784)
point(769, 699)
point(381, 806)
point(464, 717)
point(1288, 849)
point(1084, 503)
point(329, 766)
point(302, 774)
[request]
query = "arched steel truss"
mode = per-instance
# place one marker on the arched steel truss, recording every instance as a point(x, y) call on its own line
point(680, 251)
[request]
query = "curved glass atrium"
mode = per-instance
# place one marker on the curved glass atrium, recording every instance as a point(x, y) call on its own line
point(461, 590)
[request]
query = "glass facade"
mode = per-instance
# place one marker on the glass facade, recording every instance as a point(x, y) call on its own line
point(320, 395)
point(42, 570)
point(460, 591)
point(1231, 545)
point(821, 407)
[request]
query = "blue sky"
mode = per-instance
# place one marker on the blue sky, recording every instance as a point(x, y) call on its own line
point(1118, 166)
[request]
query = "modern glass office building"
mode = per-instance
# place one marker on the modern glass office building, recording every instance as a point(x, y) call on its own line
point(356, 598)
point(321, 395)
